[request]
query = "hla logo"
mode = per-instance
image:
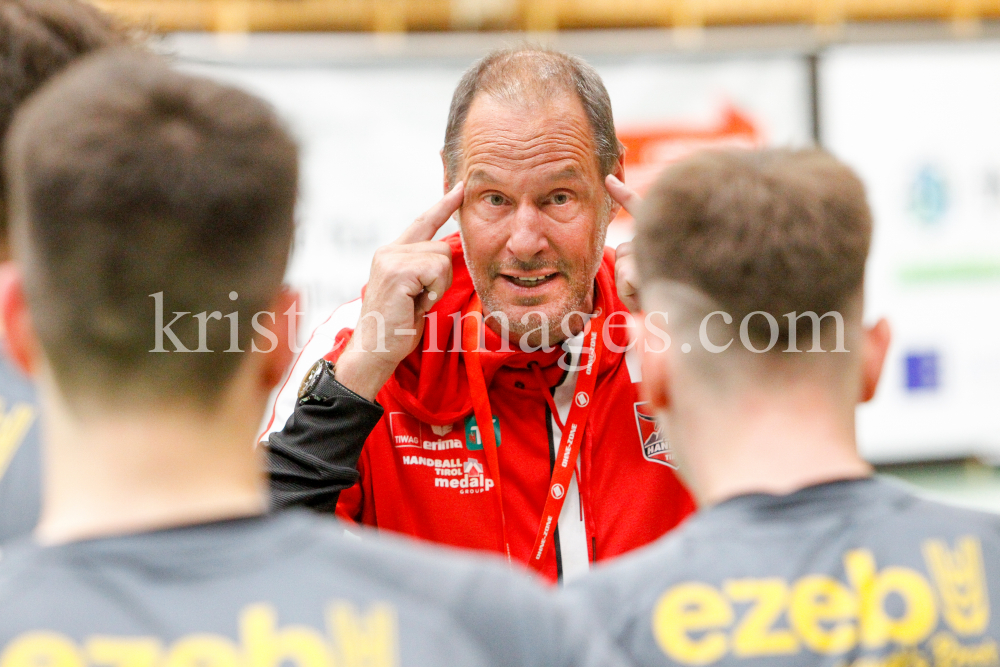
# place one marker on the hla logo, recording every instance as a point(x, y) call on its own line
point(473, 440)
point(655, 447)
point(351, 640)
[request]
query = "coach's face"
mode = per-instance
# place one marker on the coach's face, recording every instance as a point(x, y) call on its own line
point(535, 212)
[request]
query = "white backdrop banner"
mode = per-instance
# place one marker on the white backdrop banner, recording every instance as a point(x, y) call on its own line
point(371, 136)
point(920, 124)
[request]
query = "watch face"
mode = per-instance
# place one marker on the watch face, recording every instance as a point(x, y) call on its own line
point(311, 379)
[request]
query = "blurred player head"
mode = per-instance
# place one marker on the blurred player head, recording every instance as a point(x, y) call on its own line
point(531, 134)
point(37, 39)
point(757, 259)
point(128, 180)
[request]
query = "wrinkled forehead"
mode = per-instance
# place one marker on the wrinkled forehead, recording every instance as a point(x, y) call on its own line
point(551, 135)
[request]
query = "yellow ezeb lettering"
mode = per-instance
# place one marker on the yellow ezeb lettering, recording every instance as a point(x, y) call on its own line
point(42, 649)
point(688, 608)
point(823, 612)
point(877, 627)
point(268, 646)
point(755, 634)
point(123, 651)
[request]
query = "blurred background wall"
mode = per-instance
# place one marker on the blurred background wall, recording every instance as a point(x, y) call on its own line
point(905, 91)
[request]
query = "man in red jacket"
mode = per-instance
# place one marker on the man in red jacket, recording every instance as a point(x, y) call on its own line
point(501, 355)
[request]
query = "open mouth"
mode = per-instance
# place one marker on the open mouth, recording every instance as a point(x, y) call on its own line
point(534, 281)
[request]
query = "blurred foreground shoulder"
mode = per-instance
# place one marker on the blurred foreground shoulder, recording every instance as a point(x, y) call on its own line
point(508, 610)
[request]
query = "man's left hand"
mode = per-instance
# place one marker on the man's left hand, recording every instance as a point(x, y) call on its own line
point(626, 272)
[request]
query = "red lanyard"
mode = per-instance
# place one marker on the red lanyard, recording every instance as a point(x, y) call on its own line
point(572, 432)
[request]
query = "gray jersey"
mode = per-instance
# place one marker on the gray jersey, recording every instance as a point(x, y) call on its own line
point(20, 455)
point(286, 590)
point(853, 572)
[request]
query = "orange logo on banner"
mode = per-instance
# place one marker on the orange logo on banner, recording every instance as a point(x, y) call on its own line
point(649, 149)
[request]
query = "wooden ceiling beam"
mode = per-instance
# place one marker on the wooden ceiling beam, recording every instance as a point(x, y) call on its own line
point(420, 15)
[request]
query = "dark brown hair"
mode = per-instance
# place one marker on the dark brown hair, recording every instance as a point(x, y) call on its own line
point(514, 75)
point(37, 39)
point(778, 231)
point(129, 179)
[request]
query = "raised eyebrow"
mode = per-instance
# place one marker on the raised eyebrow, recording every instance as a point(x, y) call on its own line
point(567, 173)
point(480, 176)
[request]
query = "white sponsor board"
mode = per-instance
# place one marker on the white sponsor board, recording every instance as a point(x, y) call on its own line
point(919, 123)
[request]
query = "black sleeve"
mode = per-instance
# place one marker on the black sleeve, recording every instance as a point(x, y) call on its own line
point(315, 456)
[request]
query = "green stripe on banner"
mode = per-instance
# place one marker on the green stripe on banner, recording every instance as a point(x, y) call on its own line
point(950, 272)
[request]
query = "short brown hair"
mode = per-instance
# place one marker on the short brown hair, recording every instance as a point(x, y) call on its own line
point(510, 75)
point(774, 230)
point(129, 179)
point(37, 39)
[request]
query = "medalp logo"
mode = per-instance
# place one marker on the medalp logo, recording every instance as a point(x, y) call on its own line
point(655, 447)
point(582, 399)
point(558, 491)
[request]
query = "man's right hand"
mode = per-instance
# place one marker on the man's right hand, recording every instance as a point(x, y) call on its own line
point(407, 278)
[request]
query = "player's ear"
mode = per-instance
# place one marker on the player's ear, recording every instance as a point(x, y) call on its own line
point(875, 345)
point(653, 351)
point(279, 356)
point(17, 328)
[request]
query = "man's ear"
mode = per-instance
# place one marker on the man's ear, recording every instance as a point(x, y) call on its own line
point(279, 357)
point(619, 173)
point(875, 345)
point(15, 320)
point(444, 169)
point(655, 386)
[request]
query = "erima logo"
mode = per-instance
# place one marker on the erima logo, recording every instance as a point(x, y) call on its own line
point(441, 431)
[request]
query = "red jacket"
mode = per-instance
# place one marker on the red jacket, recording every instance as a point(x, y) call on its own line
point(424, 471)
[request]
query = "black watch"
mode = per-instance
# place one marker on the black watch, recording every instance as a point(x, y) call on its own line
point(319, 384)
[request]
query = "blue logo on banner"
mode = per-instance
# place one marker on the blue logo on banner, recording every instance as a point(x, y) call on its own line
point(929, 195)
point(922, 371)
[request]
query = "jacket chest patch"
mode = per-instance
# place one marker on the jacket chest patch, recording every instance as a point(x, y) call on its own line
point(408, 432)
point(473, 438)
point(441, 451)
point(655, 447)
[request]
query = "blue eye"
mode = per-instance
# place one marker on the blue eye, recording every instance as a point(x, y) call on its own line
point(560, 198)
point(496, 200)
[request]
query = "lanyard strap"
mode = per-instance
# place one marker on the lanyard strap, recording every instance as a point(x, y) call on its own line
point(572, 437)
point(572, 433)
point(481, 405)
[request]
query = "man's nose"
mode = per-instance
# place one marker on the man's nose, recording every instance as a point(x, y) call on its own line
point(527, 233)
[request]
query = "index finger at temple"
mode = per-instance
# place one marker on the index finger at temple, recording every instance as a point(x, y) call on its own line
point(426, 226)
point(626, 197)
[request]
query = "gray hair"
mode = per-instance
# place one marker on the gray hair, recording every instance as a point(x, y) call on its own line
point(514, 75)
